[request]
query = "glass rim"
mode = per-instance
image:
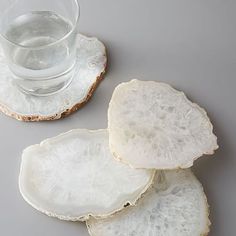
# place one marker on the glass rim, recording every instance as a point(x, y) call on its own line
point(53, 43)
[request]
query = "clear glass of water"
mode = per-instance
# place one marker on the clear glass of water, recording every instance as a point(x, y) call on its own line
point(38, 38)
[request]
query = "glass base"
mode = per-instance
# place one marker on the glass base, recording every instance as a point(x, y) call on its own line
point(45, 87)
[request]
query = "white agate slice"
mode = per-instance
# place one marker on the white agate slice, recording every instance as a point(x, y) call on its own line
point(90, 68)
point(175, 206)
point(152, 125)
point(74, 176)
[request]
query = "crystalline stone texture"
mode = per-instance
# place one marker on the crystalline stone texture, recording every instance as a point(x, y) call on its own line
point(152, 125)
point(174, 206)
point(74, 175)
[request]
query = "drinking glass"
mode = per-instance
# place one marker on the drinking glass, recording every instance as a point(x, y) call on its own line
point(38, 38)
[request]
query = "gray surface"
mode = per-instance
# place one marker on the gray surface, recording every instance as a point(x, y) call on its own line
point(189, 43)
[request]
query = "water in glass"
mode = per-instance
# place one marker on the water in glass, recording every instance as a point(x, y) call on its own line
point(39, 64)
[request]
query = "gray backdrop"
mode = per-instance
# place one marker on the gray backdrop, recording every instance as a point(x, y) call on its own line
point(190, 44)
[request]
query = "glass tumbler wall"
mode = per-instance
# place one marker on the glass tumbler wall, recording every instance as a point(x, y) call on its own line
point(38, 38)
